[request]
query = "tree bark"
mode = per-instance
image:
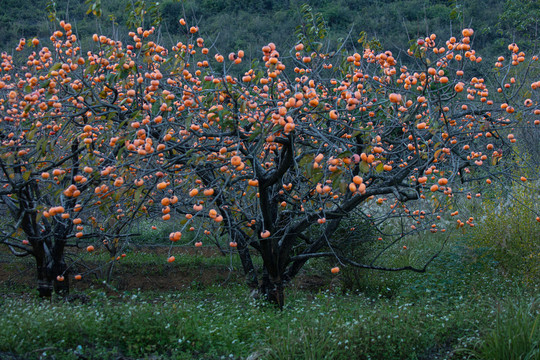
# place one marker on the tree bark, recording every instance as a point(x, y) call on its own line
point(247, 264)
point(59, 267)
point(272, 289)
point(49, 265)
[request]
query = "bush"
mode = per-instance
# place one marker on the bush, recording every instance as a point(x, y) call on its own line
point(355, 239)
point(509, 233)
point(516, 334)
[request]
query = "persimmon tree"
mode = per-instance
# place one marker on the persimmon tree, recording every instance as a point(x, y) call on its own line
point(66, 179)
point(267, 155)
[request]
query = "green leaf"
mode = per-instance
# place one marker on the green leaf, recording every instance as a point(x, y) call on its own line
point(343, 186)
point(120, 152)
point(138, 193)
point(336, 178)
point(89, 70)
point(30, 135)
point(364, 167)
point(111, 78)
point(41, 145)
point(315, 175)
point(55, 67)
point(345, 154)
point(255, 134)
point(306, 160)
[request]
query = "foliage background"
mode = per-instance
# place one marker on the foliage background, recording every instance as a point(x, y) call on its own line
point(250, 24)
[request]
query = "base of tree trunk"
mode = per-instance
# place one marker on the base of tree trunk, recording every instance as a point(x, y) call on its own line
point(45, 289)
point(61, 287)
point(60, 268)
point(48, 279)
point(274, 294)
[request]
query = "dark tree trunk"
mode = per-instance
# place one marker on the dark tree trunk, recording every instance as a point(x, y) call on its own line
point(59, 267)
point(50, 264)
point(272, 289)
point(247, 264)
point(44, 285)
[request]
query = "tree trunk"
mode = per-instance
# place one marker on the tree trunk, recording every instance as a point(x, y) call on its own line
point(59, 267)
point(247, 264)
point(272, 289)
point(44, 285)
point(51, 264)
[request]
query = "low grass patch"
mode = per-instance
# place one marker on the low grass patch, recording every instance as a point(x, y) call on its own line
point(218, 322)
point(460, 309)
point(516, 334)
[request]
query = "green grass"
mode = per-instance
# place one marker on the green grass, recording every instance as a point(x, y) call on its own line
point(217, 322)
point(509, 233)
point(141, 257)
point(516, 334)
point(464, 307)
point(452, 311)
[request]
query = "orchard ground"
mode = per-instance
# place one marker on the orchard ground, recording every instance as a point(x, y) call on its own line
point(199, 308)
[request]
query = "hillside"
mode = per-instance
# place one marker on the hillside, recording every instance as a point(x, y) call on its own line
point(249, 24)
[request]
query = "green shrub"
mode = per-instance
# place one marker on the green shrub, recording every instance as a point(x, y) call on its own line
point(508, 231)
point(516, 334)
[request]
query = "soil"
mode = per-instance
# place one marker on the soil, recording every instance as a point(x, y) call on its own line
point(163, 277)
point(20, 273)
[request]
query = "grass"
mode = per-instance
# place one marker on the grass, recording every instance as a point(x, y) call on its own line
point(516, 334)
point(219, 322)
point(464, 307)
